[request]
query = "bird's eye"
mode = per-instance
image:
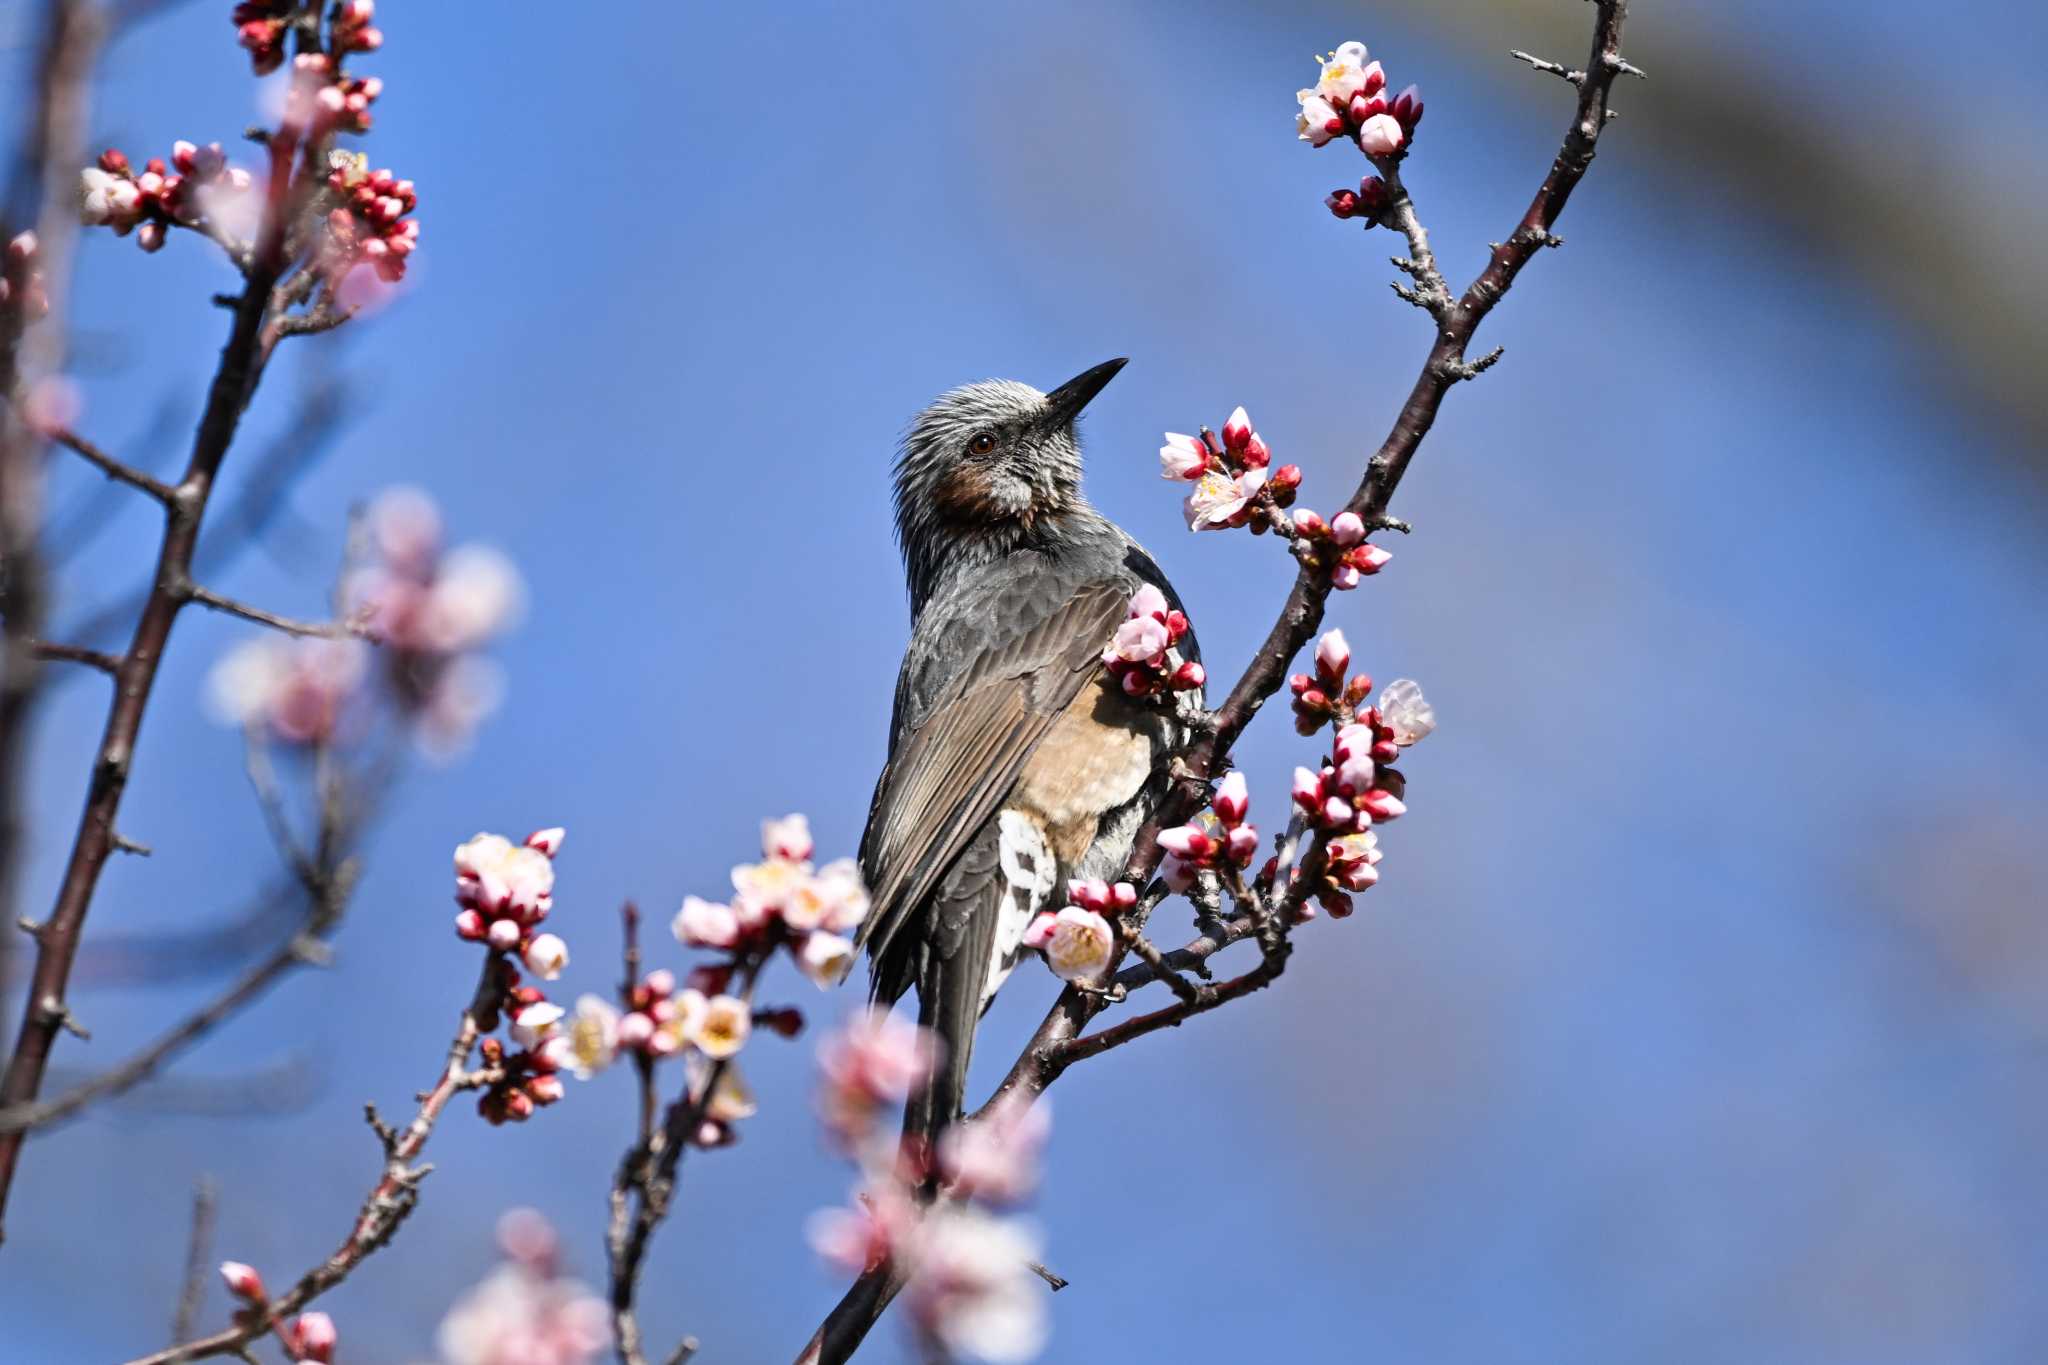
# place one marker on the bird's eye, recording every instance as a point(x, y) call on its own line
point(982, 444)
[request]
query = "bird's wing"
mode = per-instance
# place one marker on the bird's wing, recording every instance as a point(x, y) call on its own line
point(950, 777)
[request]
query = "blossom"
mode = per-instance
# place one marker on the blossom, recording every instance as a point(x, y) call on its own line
point(724, 1027)
point(788, 838)
point(296, 690)
point(1183, 458)
point(1140, 639)
point(1219, 500)
point(546, 955)
point(110, 200)
point(972, 1287)
point(524, 1315)
point(1333, 656)
point(1381, 135)
point(825, 958)
point(996, 1159)
point(1318, 121)
point(860, 1238)
point(1081, 944)
point(1406, 711)
point(535, 1023)
point(870, 1062)
point(1346, 73)
point(500, 879)
point(705, 924)
point(1142, 656)
point(476, 594)
point(593, 1036)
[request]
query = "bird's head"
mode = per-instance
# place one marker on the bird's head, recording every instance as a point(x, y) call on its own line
point(988, 465)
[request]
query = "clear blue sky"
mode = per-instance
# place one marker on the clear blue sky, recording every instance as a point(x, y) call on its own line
point(1698, 1013)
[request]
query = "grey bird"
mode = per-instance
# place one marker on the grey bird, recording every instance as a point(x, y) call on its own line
point(1016, 761)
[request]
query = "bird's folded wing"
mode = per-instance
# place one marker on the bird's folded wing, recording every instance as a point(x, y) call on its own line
point(951, 776)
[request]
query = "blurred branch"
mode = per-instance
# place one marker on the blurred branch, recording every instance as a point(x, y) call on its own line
point(1062, 1039)
point(390, 1200)
point(198, 1252)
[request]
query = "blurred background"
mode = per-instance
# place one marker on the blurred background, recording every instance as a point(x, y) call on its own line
point(1700, 1011)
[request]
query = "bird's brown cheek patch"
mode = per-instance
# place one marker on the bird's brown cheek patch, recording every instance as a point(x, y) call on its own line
point(967, 496)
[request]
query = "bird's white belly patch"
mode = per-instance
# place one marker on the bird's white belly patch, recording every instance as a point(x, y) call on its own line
point(1029, 872)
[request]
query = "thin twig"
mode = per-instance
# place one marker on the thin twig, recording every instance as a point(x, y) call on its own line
point(328, 630)
point(390, 1200)
point(198, 1254)
point(117, 470)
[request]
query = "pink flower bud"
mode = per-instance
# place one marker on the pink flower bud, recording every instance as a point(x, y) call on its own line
point(1285, 480)
point(1237, 431)
point(788, 838)
point(546, 1088)
point(1233, 799)
point(470, 925)
point(1308, 789)
point(706, 924)
point(659, 983)
point(1243, 845)
point(312, 1337)
point(1183, 457)
point(242, 1281)
point(635, 1029)
point(1381, 135)
point(1355, 775)
point(518, 1105)
point(1342, 204)
point(1310, 524)
point(557, 1053)
point(1382, 805)
point(1300, 683)
point(1333, 657)
point(504, 934)
point(1187, 842)
point(1257, 455)
point(1372, 194)
point(1188, 677)
point(1375, 79)
point(546, 955)
point(1407, 107)
point(1347, 528)
point(181, 155)
point(1089, 893)
point(150, 237)
point(1337, 812)
point(1368, 558)
point(1039, 932)
point(1123, 895)
point(1344, 578)
point(548, 841)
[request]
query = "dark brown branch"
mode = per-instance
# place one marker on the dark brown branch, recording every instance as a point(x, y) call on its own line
point(390, 1200)
point(117, 470)
point(76, 654)
point(1045, 1056)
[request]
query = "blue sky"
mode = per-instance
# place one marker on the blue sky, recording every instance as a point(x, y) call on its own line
point(1698, 1010)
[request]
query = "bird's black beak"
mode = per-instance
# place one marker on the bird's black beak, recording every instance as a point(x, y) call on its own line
point(1064, 403)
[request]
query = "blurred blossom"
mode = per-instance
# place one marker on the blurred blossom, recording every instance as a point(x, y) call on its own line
point(859, 1238)
point(996, 1159)
point(723, 1030)
point(524, 1312)
point(872, 1061)
point(972, 1288)
point(294, 689)
point(593, 1035)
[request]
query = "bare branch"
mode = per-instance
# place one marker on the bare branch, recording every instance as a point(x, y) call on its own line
point(198, 1255)
point(113, 468)
point(109, 664)
point(328, 630)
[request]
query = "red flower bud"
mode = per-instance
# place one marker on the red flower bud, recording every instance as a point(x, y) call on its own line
point(1341, 203)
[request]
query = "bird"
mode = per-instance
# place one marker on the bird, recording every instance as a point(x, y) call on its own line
point(1016, 762)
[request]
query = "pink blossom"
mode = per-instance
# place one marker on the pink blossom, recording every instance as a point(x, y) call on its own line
point(295, 690)
point(972, 1287)
point(536, 1022)
point(872, 1061)
point(1140, 640)
point(1347, 528)
point(788, 838)
point(860, 1238)
point(1345, 74)
point(548, 841)
point(1218, 499)
point(723, 1030)
point(1183, 458)
point(636, 1030)
point(497, 877)
point(1308, 789)
point(825, 958)
point(1081, 945)
point(706, 924)
point(1318, 121)
point(519, 1315)
point(1237, 431)
point(996, 1159)
point(1187, 841)
point(1381, 135)
point(504, 935)
point(1038, 933)
point(1382, 805)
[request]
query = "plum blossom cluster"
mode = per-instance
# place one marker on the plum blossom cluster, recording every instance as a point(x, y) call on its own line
point(505, 891)
point(1350, 100)
point(21, 278)
point(1232, 478)
point(434, 608)
point(971, 1291)
point(261, 26)
point(197, 189)
point(526, 1311)
point(1356, 788)
point(308, 1337)
point(783, 901)
point(1354, 557)
point(1217, 841)
point(294, 691)
point(662, 1019)
point(1144, 657)
point(1077, 939)
point(370, 223)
